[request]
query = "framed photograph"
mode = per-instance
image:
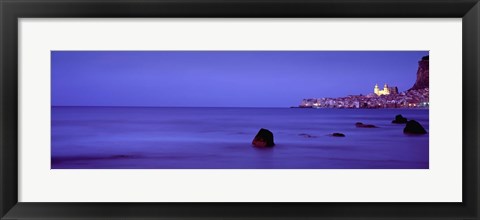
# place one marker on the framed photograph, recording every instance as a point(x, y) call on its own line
point(255, 110)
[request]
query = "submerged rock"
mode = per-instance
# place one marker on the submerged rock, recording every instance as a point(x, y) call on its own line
point(362, 125)
point(307, 135)
point(338, 135)
point(413, 127)
point(399, 119)
point(264, 138)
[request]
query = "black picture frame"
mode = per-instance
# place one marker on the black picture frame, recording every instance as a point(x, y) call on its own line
point(12, 10)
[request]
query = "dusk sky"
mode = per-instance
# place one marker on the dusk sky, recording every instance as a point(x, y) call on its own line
point(223, 78)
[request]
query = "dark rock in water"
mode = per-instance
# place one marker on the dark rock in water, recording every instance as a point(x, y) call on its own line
point(264, 138)
point(307, 135)
point(338, 135)
point(413, 127)
point(399, 119)
point(362, 125)
point(120, 156)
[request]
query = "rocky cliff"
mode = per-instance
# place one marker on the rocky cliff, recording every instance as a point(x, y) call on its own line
point(422, 74)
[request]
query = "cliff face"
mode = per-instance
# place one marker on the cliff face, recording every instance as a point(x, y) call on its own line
point(422, 74)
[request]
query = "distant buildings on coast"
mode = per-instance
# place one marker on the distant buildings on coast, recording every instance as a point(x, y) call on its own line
point(386, 98)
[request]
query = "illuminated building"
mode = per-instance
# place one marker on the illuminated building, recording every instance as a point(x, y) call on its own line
point(386, 90)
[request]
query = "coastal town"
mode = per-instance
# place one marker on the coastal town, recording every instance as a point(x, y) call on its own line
point(408, 99)
point(388, 97)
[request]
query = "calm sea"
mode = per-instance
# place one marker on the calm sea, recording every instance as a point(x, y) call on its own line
point(220, 138)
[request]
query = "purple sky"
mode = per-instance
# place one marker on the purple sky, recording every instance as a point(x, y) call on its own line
point(223, 78)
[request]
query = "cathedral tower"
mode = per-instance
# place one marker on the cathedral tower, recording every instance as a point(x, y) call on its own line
point(376, 90)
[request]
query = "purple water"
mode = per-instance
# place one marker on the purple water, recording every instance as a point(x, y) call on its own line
point(220, 138)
